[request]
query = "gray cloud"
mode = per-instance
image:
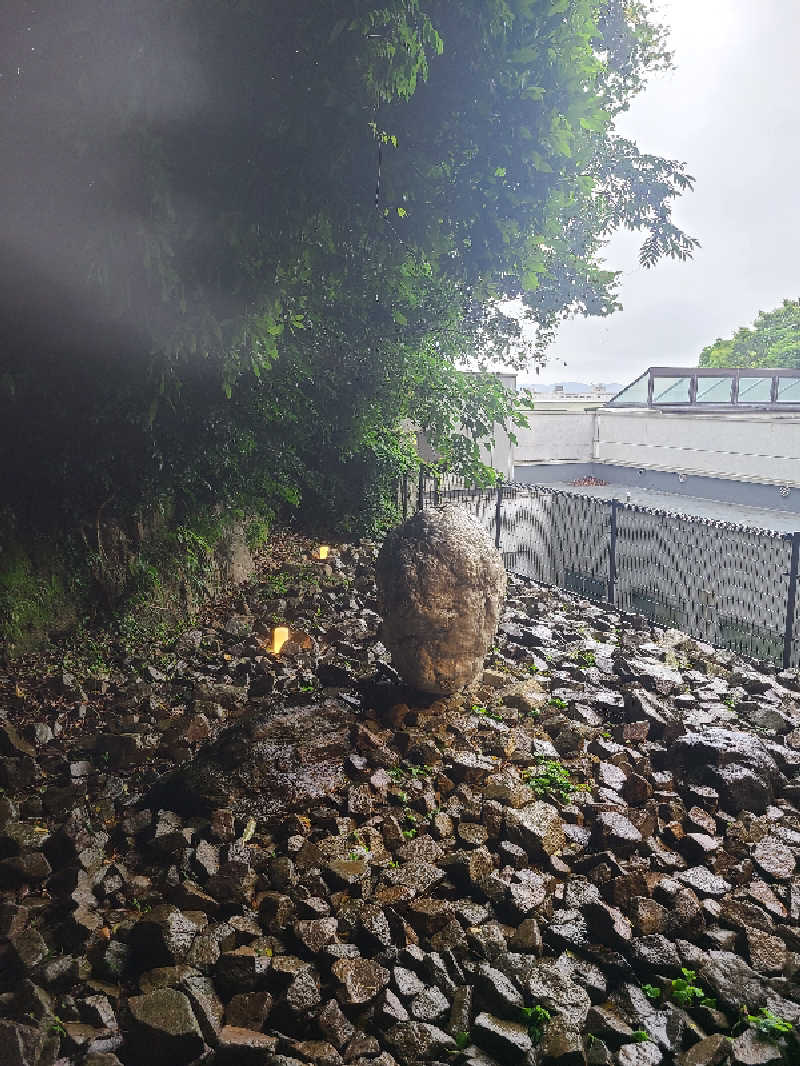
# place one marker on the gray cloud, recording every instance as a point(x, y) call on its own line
point(730, 111)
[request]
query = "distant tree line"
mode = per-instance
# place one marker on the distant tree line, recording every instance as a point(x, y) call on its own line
point(772, 340)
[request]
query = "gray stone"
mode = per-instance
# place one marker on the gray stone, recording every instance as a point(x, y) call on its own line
point(162, 937)
point(644, 1054)
point(163, 1030)
point(733, 981)
point(748, 1049)
point(774, 858)
point(333, 1024)
point(418, 1041)
point(20, 1045)
point(614, 832)
point(441, 585)
point(710, 1051)
point(704, 882)
point(655, 954)
point(537, 828)
point(303, 995)
point(360, 980)
point(742, 788)
point(562, 1043)
point(429, 1006)
point(508, 1041)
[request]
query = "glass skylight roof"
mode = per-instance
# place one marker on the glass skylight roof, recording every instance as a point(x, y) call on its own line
point(704, 389)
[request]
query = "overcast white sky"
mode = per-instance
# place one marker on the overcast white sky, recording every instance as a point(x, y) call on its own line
point(731, 111)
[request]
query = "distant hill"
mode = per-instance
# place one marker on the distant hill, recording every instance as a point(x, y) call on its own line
point(568, 386)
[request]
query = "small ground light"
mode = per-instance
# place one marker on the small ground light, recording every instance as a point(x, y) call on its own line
point(322, 552)
point(279, 637)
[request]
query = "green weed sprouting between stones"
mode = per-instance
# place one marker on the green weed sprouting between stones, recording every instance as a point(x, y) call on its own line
point(478, 709)
point(638, 1036)
point(536, 1018)
point(651, 991)
point(686, 993)
point(586, 658)
point(551, 776)
point(556, 701)
point(768, 1026)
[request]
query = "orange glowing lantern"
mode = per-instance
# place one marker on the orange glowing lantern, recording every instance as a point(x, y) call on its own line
point(279, 637)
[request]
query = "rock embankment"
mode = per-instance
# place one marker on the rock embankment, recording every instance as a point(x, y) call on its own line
point(230, 857)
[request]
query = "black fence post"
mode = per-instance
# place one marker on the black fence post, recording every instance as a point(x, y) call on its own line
point(405, 496)
point(791, 600)
point(498, 509)
point(612, 554)
point(421, 489)
point(436, 497)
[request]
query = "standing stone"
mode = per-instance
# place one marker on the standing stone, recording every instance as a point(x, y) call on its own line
point(441, 586)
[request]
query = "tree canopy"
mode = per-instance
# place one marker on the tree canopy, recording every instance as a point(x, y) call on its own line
point(773, 340)
point(250, 238)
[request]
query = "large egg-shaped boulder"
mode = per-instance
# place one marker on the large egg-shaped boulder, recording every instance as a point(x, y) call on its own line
point(441, 586)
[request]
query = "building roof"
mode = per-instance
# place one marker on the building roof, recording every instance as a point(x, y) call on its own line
point(713, 389)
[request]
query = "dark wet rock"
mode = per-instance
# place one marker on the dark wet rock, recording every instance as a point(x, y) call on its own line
point(268, 765)
point(360, 980)
point(11, 743)
point(709, 1051)
point(417, 1041)
point(655, 954)
point(644, 1054)
point(562, 1043)
point(248, 1010)
point(742, 788)
point(616, 833)
point(748, 1049)
point(767, 954)
point(162, 937)
point(537, 828)
point(731, 979)
point(406, 982)
point(391, 1010)
point(20, 1045)
point(162, 1029)
point(334, 1025)
point(242, 970)
point(246, 1047)
point(508, 1041)
point(606, 1023)
point(774, 859)
point(303, 994)
point(489, 900)
point(430, 1005)
point(703, 882)
point(434, 573)
point(28, 949)
point(320, 1052)
point(497, 990)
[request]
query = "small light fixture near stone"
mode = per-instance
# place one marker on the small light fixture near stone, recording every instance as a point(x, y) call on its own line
point(280, 635)
point(322, 552)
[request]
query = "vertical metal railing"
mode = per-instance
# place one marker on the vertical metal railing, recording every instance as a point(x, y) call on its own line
point(723, 584)
point(791, 598)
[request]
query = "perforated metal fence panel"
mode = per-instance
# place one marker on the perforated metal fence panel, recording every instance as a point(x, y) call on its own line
point(724, 584)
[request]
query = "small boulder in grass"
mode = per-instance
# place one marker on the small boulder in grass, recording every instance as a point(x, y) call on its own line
point(441, 586)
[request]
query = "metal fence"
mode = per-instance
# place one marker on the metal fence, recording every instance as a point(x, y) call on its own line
point(725, 584)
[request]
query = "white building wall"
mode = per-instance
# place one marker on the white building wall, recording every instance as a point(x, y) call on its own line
point(556, 437)
point(760, 448)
